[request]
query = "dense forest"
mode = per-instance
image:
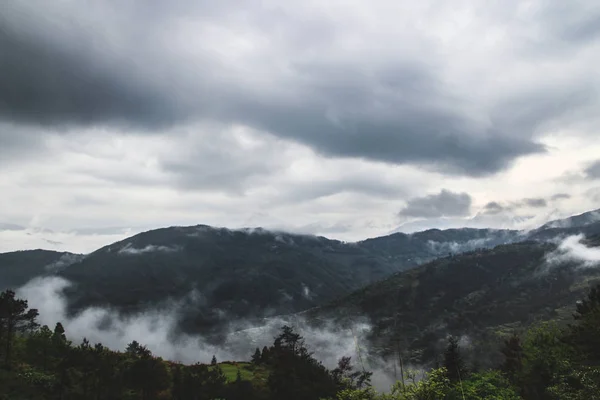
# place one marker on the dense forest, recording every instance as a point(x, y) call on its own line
point(544, 362)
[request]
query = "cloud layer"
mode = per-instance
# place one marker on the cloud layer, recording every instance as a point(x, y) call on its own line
point(444, 204)
point(387, 108)
point(572, 249)
point(302, 114)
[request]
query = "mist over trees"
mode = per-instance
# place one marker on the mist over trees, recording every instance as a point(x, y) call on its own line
point(545, 362)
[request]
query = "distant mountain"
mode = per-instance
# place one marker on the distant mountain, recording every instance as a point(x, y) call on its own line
point(576, 221)
point(417, 248)
point(18, 267)
point(219, 275)
point(474, 295)
point(10, 227)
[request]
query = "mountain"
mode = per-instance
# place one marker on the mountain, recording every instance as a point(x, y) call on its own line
point(223, 275)
point(18, 267)
point(416, 248)
point(218, 275)
point(472, 295)
point(576, 221)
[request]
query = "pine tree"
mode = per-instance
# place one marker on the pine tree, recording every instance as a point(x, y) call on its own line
point(39, 347)
point(453, 362)
point(214, 360)
point(15, 316)
point(256, 357)
point(58, 336)
point(513, 358)
point(295, 374)
point(265, 355)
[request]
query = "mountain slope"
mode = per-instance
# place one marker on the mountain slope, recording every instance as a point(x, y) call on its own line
point(419, 247)
point(575, 221)
point(18, 267)
point(219, 275)
point(248, 273)
point(231, 274)
point(476, 294)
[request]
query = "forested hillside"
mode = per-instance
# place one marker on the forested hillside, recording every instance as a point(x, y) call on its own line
point(545, 362)
point(220, 276)
point(478, 295)
point(240, 274)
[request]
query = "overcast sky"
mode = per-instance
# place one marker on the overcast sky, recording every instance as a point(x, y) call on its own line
point(348, 119)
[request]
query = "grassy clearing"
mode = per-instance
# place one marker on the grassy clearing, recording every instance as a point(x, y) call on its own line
point(249, 371)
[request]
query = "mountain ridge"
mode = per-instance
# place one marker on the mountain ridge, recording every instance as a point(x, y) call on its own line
point(252, 272)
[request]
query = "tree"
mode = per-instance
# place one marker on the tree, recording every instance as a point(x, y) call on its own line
point(201, 382)
point(345, 377)
point(213, 361)
point(146, 374)
point(490, 385)
point(584, 334)
point(295, 374)
point(435, 385)
point(58, 336)
point(264, 355)
point(15, 316)
point(513, 358)
point(453, 361)
point(256, 357)
point(39, 347)
point(580, 384)
point(545, 359)
point(62, 358)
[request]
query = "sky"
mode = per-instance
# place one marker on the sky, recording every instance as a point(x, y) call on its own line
point(348, 119)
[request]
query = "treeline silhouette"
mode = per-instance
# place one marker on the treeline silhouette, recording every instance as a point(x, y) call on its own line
point(545, 362)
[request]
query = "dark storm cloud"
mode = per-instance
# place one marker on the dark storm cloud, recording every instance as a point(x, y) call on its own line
point(593, 171)
point(371, 185)
point(444, 204)
point(124, 70)
point(46, 81)
point(535, 202)
point(495, 207)
point(17, 141)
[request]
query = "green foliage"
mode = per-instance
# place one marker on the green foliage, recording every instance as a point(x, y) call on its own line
point(580, 384)
point(295, 374)
point(15, 317)
point(585, 332)
point(453, 361)
point(550, 362)
point(546, 357)
point(434, 385)
point(478, 293)
point(513, 358)
point(489, 385)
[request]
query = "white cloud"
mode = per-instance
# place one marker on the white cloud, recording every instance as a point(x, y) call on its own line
point(227, 123)
point(572, 249)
